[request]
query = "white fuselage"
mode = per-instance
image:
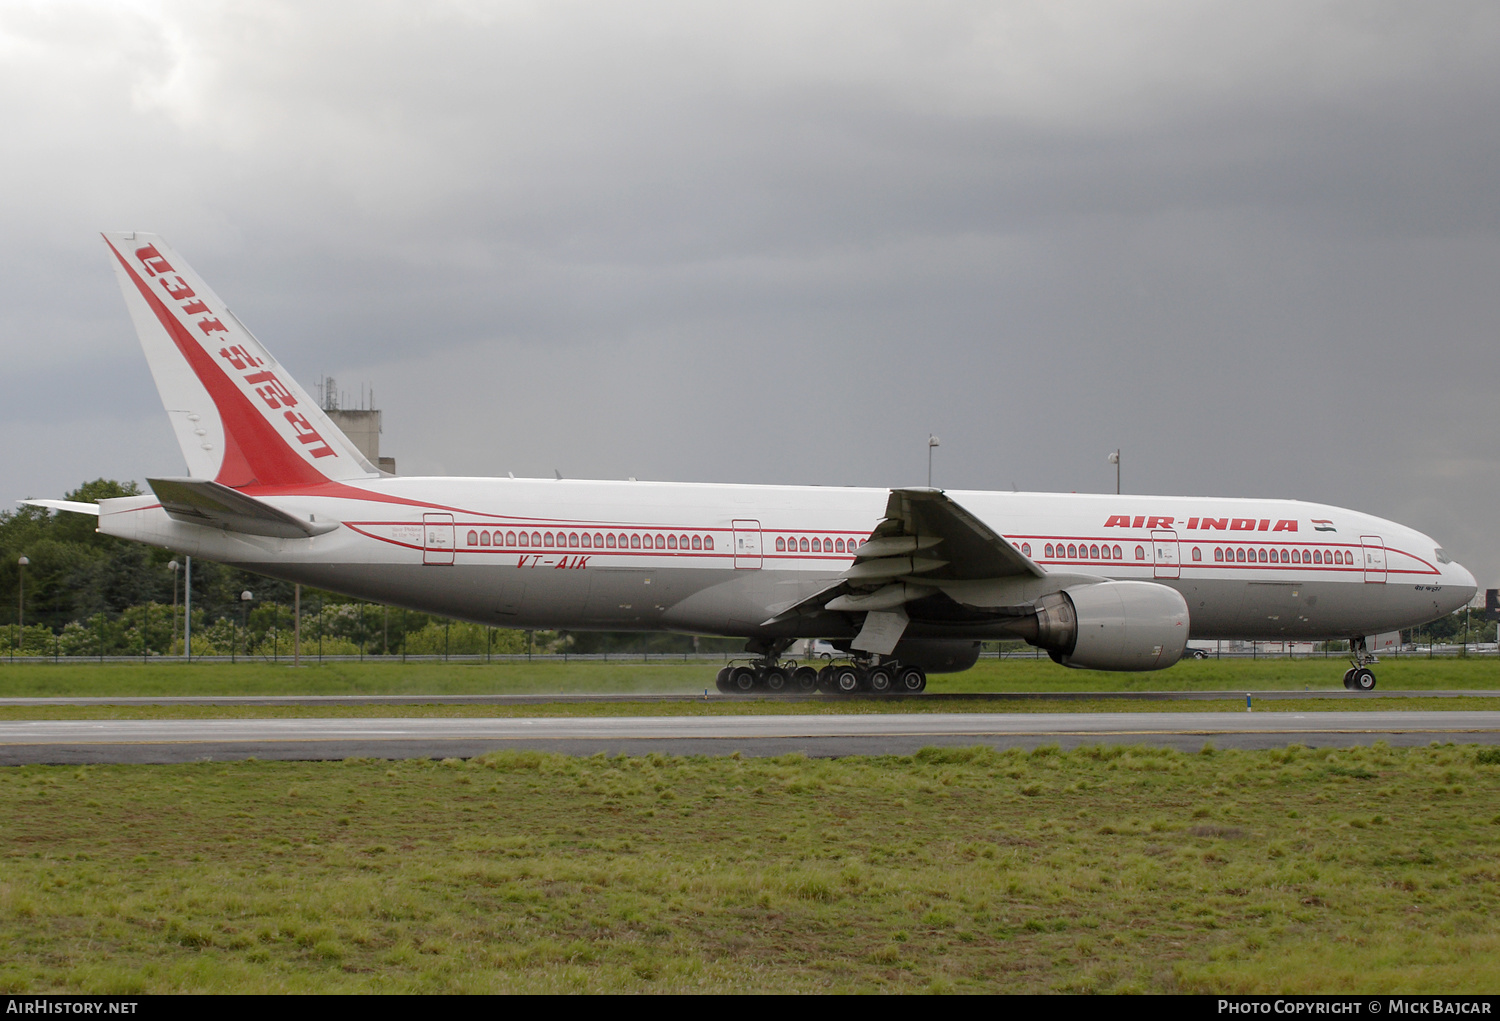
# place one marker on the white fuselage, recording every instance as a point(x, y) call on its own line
point(723, 559)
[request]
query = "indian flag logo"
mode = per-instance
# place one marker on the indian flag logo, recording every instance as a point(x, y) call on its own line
point(1323, 525)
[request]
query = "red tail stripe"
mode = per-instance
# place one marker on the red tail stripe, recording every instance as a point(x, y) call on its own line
point(254, 452)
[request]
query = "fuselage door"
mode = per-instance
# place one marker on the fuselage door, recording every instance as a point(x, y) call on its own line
point(747, 544)
point(437, 539)
point(1165, 544)
point(1374, 558)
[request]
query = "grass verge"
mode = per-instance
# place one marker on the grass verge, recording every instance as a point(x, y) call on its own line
point(1101, 869)
point(395, 678)
point(724, 707)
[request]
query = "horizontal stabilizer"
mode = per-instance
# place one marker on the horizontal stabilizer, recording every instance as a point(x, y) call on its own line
point(201, 502)
point(65, 505)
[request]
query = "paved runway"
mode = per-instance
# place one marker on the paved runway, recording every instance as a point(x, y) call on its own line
point(142, 741)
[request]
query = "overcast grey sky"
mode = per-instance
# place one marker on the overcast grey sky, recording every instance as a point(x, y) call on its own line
point(1252, 244)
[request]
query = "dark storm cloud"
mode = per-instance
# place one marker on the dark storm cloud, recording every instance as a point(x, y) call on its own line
point(1254, 245)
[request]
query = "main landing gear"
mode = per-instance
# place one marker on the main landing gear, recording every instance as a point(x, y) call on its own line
point(775, 678)
point(1360, 677)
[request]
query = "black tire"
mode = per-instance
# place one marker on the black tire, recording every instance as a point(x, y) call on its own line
point(742, 681)
point(774, 680)
point(805, 679)
point(881, 680)
point(910, 680)
point(1363, 679)
point(1349, 679)
point(721, 681)
point(825, 681)
point(848, 679)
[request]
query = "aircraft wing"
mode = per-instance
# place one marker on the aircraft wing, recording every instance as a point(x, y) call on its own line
point(201, 502)
point(927, 534)
point(925, 543)
point(65, 505)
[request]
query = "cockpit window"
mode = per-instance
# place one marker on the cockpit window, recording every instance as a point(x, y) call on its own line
point(1442, 556)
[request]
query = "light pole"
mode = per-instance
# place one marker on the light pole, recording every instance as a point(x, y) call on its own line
point(187, 608)
point(1114, 459)
point(21, 563)
point(174, 567)
point(932, 443)
point(245, 598)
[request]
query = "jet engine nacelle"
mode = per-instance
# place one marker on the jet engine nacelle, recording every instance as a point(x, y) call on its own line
point(1114, 625)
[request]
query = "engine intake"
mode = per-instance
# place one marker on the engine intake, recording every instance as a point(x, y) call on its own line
point(1114, 625)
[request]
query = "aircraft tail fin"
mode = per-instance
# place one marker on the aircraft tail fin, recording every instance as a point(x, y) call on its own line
point(240, 419)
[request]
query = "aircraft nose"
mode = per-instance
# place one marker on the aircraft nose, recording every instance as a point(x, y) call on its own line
point(1462, 583)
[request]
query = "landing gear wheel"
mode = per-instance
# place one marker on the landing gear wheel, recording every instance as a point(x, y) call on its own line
point(721, 681)
point(1363, 679)
point(805, 679)
point(825, 681)
point(847, 680)
point(1349, 678)
point(742, 680)
point(910, 680)
point(880, 680)
point(774, 680)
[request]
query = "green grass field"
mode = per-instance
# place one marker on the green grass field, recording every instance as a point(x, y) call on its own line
point(1366, 870)
point(436, 678)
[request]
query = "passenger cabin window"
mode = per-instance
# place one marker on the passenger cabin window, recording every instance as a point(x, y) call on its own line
point(484, 538)
point(708, 542)
point(1072, 551)
point(473, 538)
point(780, 544)
point(573, 539)
point(635, 541)
point(1197, 553)
point(1140, 553)
point(587, 540)
point(838, 545)
point(697, 543)
point(1218, 554)
point(1026, 549)
point(804, 545)
point(1118, 554)
point(1047, 550)
point(1094, 552)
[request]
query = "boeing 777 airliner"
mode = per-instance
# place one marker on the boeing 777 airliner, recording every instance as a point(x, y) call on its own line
point(905, 581)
